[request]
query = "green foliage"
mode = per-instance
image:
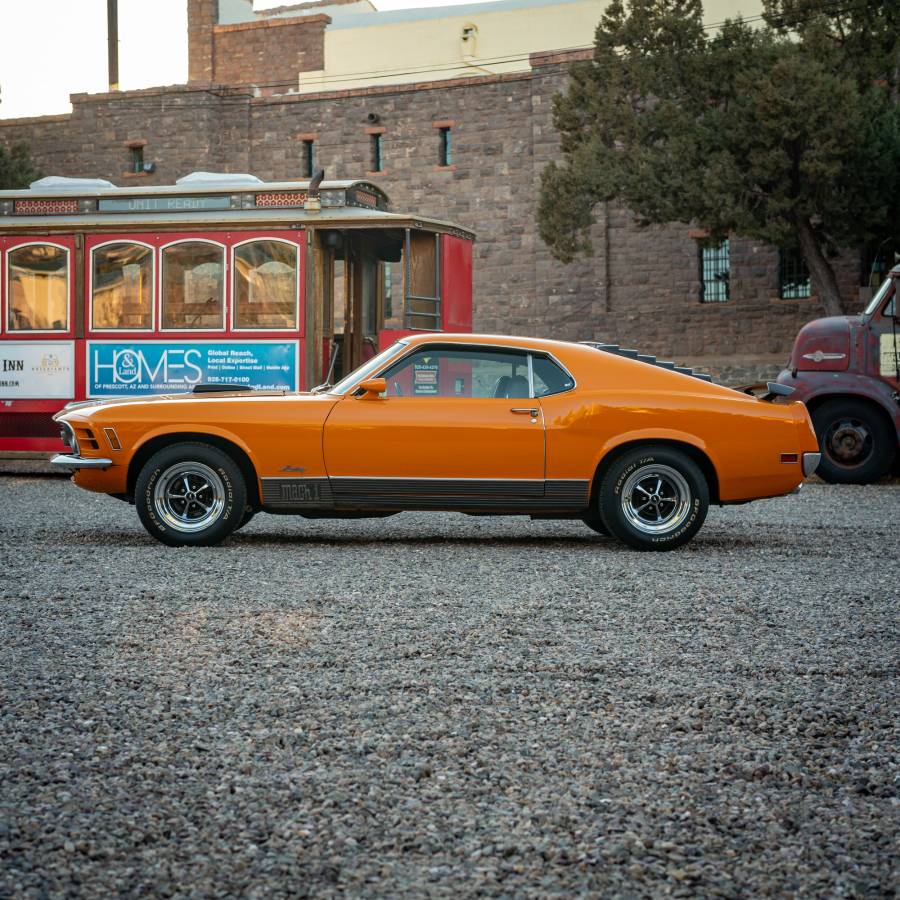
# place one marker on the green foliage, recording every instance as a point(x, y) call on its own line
point(770, 132)
point(16, 167)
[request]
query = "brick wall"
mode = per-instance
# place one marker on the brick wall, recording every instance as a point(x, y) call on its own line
point(269, 54)
point(641, 287)
point(202, 17)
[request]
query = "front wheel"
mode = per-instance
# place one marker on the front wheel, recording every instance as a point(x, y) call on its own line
point(856, 442)
point(190, 494)
point(653, 498)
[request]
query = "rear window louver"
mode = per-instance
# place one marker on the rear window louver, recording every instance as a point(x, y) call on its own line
point(646, 358)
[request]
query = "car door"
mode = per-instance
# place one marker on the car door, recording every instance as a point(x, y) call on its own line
point(456, 428)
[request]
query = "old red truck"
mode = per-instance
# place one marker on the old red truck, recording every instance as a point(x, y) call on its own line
point(844, 368)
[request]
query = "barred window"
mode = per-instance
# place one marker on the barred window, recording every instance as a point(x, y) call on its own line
point(793, 275)
point(715, 273)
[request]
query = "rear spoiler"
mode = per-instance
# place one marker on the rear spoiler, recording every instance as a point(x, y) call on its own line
point(646, 358)
point(770, 389)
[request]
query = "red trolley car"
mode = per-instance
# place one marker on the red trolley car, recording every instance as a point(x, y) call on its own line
point(124, 292)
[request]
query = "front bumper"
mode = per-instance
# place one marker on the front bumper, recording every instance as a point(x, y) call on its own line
point(63, 461)
point(810, 463)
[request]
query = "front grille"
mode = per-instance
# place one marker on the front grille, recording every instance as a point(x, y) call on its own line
point(28, 425)
point(86, 438)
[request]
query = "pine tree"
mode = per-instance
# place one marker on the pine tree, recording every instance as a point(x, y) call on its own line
point(786, 132)
point(16, 167)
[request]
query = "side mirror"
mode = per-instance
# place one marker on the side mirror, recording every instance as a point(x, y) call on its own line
point(373, 388)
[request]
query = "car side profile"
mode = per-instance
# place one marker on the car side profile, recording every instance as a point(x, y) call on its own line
point(480, 424)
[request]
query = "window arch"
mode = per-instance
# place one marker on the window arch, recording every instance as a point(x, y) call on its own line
point(265, 273)
point(37, 288)
point(122, 287)
point(192, 276)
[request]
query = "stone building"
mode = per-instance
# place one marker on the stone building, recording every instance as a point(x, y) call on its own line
point(465, 147)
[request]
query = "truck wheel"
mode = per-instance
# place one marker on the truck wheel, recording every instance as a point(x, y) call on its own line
point(190, 494)
point(654, 498)
point(857, 445)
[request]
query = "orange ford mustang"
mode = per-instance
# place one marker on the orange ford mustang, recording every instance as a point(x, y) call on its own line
point(473, 423)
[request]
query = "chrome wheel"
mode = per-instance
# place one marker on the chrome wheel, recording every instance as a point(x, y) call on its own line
point(189, 496)
point(655, 499)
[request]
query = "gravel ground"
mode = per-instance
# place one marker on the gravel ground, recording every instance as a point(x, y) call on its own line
point(444, 706)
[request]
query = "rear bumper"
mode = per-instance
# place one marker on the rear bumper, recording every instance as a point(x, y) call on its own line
point(63, 461)
point(810, 463)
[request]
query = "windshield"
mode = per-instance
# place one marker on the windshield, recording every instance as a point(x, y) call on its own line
point(876, 300)
point(366, 369)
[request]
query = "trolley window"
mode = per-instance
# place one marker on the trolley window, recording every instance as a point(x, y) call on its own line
point(193, 286)
point(122, 287)
point(423, 302)
point(265, 285)
point(38, 288)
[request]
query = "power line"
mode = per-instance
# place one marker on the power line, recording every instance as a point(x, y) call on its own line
point(834, 7)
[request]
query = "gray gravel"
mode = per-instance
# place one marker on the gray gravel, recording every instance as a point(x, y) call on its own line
point(444, 706)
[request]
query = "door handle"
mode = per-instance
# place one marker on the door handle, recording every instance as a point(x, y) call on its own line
point(526, 411)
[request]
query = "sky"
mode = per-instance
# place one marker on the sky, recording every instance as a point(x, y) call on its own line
point(53, 48)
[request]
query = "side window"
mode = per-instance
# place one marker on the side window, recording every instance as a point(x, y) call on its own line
point(38, 288)
point(193, 286)
point(122, 287)
point(549, 378)
point(448, 372)
point(265, 285)
point(423, 284)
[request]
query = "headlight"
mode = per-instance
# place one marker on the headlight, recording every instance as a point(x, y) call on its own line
point(68, 437)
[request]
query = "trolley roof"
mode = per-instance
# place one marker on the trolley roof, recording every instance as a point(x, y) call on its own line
point(203, 200)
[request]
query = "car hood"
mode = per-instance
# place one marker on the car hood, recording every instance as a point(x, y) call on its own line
point(86, 406)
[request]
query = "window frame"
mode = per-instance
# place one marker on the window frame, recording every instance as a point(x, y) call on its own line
point(153, 288)
point(703, 247)
point(799, 263)
point(298, 271)
point(5, 271)
point(162, 283)
point(445, 147)
point(309, 157)
point(411, 350)
point(376, 140)
point(408, 314)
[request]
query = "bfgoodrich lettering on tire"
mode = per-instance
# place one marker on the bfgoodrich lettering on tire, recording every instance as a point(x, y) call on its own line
point(190, 494)
point(653, 498)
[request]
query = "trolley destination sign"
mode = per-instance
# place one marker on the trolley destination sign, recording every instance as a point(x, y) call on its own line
point(162, 204)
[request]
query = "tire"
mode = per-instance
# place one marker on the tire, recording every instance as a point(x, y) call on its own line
point(856, 442)
point(215, 496)
point(249, 513)
point(676, 492)
point(593, 520)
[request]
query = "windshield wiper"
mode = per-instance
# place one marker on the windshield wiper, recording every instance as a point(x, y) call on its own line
point(322, 388)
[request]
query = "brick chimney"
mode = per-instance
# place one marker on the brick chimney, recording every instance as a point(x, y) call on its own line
point(202, 18)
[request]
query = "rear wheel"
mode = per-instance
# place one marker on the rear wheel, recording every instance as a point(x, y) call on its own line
point(653, 498)
point(857, 445)
point(593, 520)
point(190, 494)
